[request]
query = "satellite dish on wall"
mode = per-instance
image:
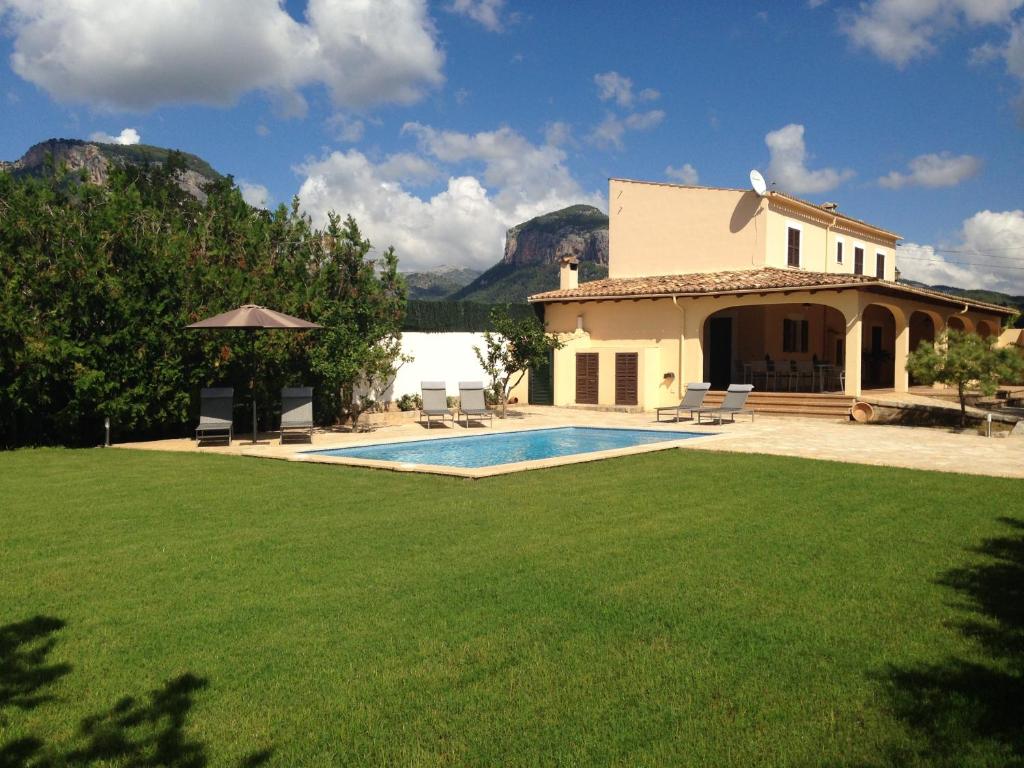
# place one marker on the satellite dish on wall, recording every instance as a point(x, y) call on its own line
point(757, 183)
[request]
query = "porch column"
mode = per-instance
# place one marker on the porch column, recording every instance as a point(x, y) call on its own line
point(693, 347)
point(901, 379)
point(853, 350)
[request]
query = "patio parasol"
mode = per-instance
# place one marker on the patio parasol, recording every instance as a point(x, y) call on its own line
point(251, 317)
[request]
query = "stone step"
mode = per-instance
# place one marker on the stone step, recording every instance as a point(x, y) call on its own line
point(827, 405)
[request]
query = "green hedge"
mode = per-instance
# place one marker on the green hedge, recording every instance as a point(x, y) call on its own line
point(450, 316)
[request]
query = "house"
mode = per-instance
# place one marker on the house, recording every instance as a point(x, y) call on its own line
point(725, 285)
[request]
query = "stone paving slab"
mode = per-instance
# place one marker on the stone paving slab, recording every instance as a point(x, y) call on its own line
point(845, 441)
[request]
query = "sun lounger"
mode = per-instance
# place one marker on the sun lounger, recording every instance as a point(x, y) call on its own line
point(734, 402)
point(215, 414)
point(692, 400)
point(297, 412)
point(435, 402)
point(472, 403)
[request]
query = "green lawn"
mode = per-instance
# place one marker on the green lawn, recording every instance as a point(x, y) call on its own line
point(676, 608)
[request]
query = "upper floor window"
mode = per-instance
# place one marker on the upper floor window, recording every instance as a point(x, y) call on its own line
point(794, 335)
point(858, 261)
point(839, 252)
point(793, 249)
point(880, 266)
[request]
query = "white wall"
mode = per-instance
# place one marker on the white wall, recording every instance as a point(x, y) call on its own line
point(446, 357)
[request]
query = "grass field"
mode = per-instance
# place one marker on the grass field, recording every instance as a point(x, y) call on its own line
point(677, 608)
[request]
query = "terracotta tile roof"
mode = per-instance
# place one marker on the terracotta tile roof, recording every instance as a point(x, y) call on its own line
point(766, 279)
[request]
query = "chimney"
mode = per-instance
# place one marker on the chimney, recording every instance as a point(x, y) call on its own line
point(569, 276)
point(830, 207)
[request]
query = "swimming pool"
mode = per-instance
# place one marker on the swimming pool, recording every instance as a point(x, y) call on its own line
point(480, 451)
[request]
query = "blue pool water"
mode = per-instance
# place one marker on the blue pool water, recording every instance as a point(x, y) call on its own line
point(508, 447)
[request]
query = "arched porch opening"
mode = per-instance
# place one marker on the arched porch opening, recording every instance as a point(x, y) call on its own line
point(798, 347)
point(878, 348)
point(923, 330)
point(959, 323)
point(983, 329)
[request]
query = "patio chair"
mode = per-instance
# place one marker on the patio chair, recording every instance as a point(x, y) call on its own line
point(735, 402)
point(806, 373)
point(215, 414)
point(435, 402)
point(297, 413)
point(692, 400)
point(472, 403)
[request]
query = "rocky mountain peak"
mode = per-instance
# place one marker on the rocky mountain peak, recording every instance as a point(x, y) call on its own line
point(94, 160)
point(579, 230)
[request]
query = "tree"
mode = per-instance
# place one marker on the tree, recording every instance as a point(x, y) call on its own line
point(511, 347)
point(361, 304)
point(965, 359)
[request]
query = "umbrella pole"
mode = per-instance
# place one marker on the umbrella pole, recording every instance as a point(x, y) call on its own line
point(253, 387)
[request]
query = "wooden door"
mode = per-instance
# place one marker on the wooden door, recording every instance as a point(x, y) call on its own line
point(586, 378)
point(542, 382)
point(625, 378)
point(720, 354)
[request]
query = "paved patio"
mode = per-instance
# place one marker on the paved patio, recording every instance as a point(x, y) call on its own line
point(880, 445)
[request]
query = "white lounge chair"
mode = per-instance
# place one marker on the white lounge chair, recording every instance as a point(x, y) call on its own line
point(435, 402)
point(297, 412)
point(472, 403)
point(734, 402)
point(215, 414)
point(692, 400)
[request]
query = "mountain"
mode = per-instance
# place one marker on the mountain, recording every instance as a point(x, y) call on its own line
point(94, 159)
point(992, 297)
point(579, 230)
point(533, 250)
point(439, 283)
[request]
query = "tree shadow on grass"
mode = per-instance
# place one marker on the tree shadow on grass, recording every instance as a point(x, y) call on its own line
point(142, 733)
point(966, 711)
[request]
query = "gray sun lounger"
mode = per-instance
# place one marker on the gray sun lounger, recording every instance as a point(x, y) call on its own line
point(215, 414)
point(692, 401)
point(297, 413)
point(735, 402)
point(435, 402)
point(472, 403)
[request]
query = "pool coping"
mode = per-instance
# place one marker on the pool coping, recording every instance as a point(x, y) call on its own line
point(315, 456)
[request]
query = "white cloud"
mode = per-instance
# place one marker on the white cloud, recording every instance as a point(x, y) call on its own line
point(488, 13)
point(557, 133)
point(934, 170)
point(345, 128)
point(610, 131)
point(255, 195)
point(686, 174)
point(986, 254)
point(611, 86)
point(465, 222)
point(408, 168)
point(127, 136)
point(788, 165)
point(899, 31)
point(143, 54)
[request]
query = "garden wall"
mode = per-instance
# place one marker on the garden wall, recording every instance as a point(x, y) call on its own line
point(446, 357)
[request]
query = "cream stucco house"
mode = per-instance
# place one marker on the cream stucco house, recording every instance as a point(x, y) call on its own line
point(723, 285)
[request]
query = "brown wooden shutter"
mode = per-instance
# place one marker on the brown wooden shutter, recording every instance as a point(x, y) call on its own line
point(625, 378)
point(586, 378)
point(793, 256)
point(858, 261)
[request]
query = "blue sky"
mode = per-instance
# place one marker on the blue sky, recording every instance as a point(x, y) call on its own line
point(439, 125)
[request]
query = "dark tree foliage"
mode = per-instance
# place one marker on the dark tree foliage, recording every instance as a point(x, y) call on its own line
point(97, 285)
